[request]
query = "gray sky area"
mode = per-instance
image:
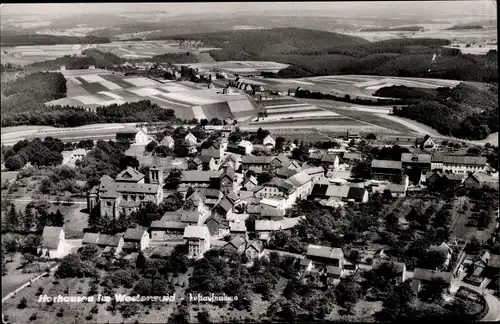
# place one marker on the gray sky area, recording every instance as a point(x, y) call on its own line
point(485, 8)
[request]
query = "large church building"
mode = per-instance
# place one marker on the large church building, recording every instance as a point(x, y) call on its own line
point(126, 193)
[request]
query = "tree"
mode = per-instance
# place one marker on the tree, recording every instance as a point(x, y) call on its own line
point(347, 294)
point(89, 252)
point(433, 291)
point(300, 153)
point(151, 146)
point(362, 170)
point(129, 309)
point(397, 304)
point(72, 266)
point(162, 151)
point(14, 163)
point(371, 136)
point(264, 177)
point(12, 220)
point(129, 161)
point(280, 141)
point(180, 316)
point(250, 223)
point(174, 178)
point(203, 316)
point(432, 260)
point(58, 219)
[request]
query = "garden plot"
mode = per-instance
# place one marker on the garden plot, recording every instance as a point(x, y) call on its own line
point(89, 100)
point(240, 105)
point(91, 78)
point(285, 110)
point(198, 113)
point(141, 82)
point(110, 85)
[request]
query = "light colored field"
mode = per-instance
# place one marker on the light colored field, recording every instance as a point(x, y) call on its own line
point(239, 66)
point(111, 94)
point(141, 82)
point(145, 92)
point(189, 97)
point(174, 88)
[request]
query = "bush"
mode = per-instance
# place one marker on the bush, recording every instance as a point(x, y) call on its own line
point(23, 303)
point(33, 317)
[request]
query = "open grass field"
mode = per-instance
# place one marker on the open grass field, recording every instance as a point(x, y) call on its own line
point(239, 66)
point(460, 225)
point(291, 108)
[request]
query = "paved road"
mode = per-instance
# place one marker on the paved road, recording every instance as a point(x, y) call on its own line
point(50, 201)
point(493, 314)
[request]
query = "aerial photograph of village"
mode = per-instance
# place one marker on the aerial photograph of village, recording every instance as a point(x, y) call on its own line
point(249, 162)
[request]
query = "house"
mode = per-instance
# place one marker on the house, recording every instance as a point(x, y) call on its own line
point(280, 161)
point(237, 245)
point(305, 266)
point(325, 190)
point(53, 243)
point(479, 180)
point(445, 250)
point(70, 157)
point(272, 208)
point(90, 238)
point(492, 269)
point(238, 229)
point(420, 162)
point(397, 190)
point(329, 161)
point(398, 267)
point(195, 164)
point(232, 161)
point(351, 157)
point(437, 161)
point(265, 226)
point(110, 243)
point(387, 170)
point(463, 163)
point(168, 141)
point(190, 139)
point(256, 163)
point(246, 146)
point(216, 152)
point(254, 250)
point(224, 208)
point(269, 141)
point(209, 163)
point(199, 179)
point(444, 180)
point(316, 174)
point(323, 255)
point(422, 277)
point(133, 136)
point(227, 180)
point(236, 149)
point(192, 217)
point(212, 196)
point(249, 183)
point(425, 143)
point(164, 230)
point(285, 173)
point(135, 240)
point(198, 241)
point(215, 225)
point(333, 272)
point(126, 193)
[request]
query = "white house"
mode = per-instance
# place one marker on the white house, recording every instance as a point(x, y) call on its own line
point(254, 250)
point(135, 239)
point(247, 146)
point(53, 242)
point(198, 240)
point(191, 139)
point(316, 174)
point(269, 141)
point(463, 163)
point(272, 208)
point(168, 141)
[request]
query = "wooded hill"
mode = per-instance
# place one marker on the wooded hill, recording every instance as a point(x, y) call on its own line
point(11, 39)
point(313, 53)
point(467, 111)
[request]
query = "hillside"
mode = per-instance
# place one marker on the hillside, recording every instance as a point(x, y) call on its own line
point(253, 44)
point(11, 39)
point(315, 53)
point(90, 57)
point(468, 111)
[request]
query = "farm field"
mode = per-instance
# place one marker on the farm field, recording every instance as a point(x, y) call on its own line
point(239, 66)
point(11, 135)
point(291, 108)
point(362, 86)
point(24, 55)
point(94, 87)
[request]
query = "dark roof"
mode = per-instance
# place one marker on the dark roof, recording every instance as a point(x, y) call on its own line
point(397, 266)
point(429, 275)
point(129, 174)
point(236, 242)
point(109, 240)
point(352, 156)
point(319, 189)
point(225, 205)
point(134, 234)
point(256, 245)
point(205, 158)
point(199, 176)
point(437, 158)
point(214, 218)
point(282, 158)
point(167, 225)
point(285, 172)
point(386, 164)
point(481, 177)
point(211, 193)
point(211, 152)
point(136, 187)
point(329, 158)
point(464, 159)
point(356, 193)
point(172, 216)
point(190, 216)
point(229, 172)
point(333, 270)
point(232, 197)
point(415, 158)
point(90, 238)
point(251, 159)
point(51, 231)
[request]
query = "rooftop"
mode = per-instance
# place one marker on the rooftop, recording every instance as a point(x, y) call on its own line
point(134, 234)
point(415, 158)
point(130, 174)
point(51, 231)
point(197, 232)
point(386, 164)
point(464, 159)
point(199, 176)
point(324, 252)
point(429, 275)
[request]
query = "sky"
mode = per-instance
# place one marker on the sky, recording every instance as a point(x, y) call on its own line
point(472, 7)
